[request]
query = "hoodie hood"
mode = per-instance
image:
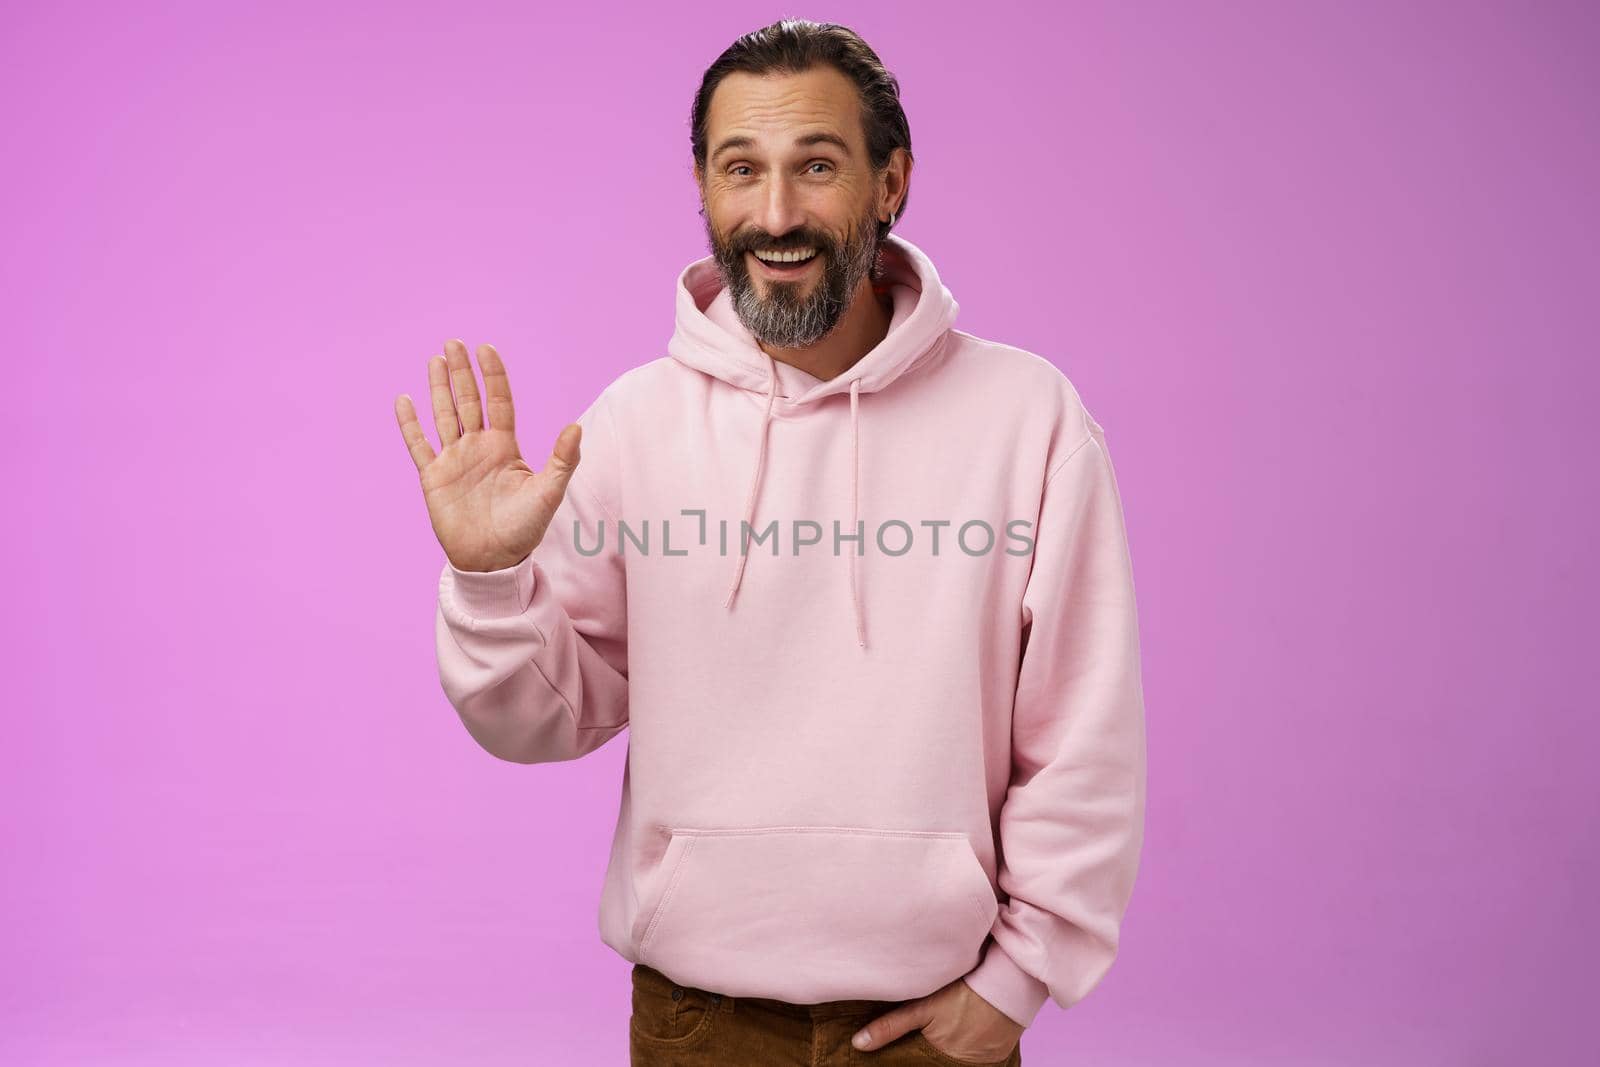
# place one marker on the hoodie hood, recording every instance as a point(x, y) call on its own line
point(709, 336)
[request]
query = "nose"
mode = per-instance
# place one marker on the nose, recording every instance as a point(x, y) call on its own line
point(781, 208)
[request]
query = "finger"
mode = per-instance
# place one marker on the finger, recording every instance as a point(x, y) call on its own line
point(469, 408)
point(565, 455)
point(885, 1028)
point(564, 458)
point(410, 429)
point(444, 405)
point(496, 389)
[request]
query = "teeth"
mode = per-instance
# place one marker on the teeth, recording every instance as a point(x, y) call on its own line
point(799, 255)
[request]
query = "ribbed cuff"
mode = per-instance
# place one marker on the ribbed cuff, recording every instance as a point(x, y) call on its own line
point(1007, 986)
point(493, 594)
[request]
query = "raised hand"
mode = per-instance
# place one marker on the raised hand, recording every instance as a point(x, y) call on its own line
point(489, 508)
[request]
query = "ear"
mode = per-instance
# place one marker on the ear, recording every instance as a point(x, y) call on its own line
point(896, 178)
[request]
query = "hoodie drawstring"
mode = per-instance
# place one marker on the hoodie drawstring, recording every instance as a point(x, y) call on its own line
point(855, 494)
point(855, 505)
point(755, 481)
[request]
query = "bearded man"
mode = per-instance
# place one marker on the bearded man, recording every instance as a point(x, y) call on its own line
point(879, 668)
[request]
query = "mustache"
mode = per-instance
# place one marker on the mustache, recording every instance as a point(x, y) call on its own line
point(758, 243)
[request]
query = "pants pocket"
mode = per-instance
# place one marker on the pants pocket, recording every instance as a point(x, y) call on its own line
point(807, 914)
point(935, 1054)
point(667, 1015)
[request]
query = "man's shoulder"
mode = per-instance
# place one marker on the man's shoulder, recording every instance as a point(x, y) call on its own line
point(647, 379)
point(1016, 375)
point(638, 389)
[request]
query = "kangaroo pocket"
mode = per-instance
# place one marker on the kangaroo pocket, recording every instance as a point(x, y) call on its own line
point(807, 914)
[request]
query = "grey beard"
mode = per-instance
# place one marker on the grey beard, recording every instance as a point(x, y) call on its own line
point(782, 323)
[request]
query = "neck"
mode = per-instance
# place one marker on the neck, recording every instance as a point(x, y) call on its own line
point(862, 326)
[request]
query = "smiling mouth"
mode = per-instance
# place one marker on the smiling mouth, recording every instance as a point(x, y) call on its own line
point(788, 268)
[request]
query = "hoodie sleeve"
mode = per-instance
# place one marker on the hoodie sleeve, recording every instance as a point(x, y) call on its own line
point(1072, 823)
point(534, 656)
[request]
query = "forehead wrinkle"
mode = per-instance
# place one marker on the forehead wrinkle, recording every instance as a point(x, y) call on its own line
point(780, 105)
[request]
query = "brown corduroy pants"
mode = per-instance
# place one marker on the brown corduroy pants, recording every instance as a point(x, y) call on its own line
point(675, 1025)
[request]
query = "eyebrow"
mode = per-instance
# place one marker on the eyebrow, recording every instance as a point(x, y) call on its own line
point(805, 140)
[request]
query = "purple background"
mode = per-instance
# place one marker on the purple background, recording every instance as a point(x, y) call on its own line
point(1325, 272)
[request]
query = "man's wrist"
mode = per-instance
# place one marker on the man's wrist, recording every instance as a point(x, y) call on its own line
point(1001, 982)
point(493, 594)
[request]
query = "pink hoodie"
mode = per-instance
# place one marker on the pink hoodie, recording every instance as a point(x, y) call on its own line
point(851, 775)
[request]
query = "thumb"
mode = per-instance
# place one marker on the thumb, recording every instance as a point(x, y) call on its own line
point(885, 1028)
point(565, 455)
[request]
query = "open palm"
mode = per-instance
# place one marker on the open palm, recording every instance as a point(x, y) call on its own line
point(489, 509)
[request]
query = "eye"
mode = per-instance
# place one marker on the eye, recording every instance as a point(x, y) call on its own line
point(820, 163)
point(739, 167)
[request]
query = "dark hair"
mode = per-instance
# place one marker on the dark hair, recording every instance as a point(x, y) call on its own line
point(791, 46)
